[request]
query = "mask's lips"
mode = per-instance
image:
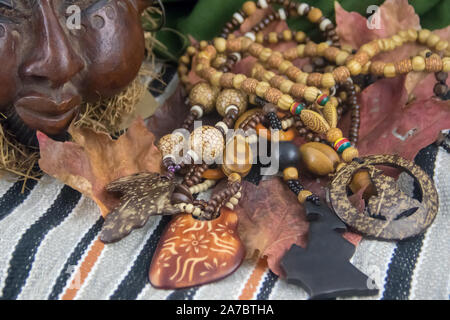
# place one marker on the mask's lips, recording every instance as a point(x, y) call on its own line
point(44, 114)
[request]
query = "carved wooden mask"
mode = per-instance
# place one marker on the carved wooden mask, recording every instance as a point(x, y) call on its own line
point(48, 67)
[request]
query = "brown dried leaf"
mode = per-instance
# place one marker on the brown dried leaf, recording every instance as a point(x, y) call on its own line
point(93, 160)
point(270, 221)
point(389, 125)
point(395, 15)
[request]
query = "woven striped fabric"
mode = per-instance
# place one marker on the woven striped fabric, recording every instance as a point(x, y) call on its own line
point(49, 248)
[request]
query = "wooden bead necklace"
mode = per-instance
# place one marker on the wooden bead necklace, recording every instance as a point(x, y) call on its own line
point(289, 101)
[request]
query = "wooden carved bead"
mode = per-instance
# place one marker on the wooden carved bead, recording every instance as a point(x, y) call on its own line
point(423, 35)
point(327, 80)
point(234, 177)
point(238, 156)
point(300, 36)
point(290, 173)
point(418, 63)
point(245, 116)
point(311, 94)
point(314, 79)
point(341, 57)
point(249, 7)
point(433, 63)
point(273, 95)
point(171, 144)
point(441, 45)
point(237, 80)
point(207, 142)
point(319, 158)
point(377, 68)
point(261, 88)
point(314, 121)
point(389, 70)
point(354, 67)
point(334, 134)
point(330, 114)
point(349, 154)
point(314, 15)
point(220, 44)
point(303, 195)
point(285, 102)
point(446, 64)
point(412, 35)
point(298, 90)
point(249, 85)
point(230, 97)
point(341, 74)
point(204, 95)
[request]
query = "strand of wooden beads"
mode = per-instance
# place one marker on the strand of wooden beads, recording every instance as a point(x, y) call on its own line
point(360, 62)
point(287, 9)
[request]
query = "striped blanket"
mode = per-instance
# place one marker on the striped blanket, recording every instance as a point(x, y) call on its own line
point(49, 249)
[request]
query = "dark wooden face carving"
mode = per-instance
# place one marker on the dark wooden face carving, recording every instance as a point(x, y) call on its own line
point(48, 68)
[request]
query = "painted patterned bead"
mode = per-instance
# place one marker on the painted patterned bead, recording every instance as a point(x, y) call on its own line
point(208, 143)
point(205, 95)
point(230, 97)
point(171, 145)
point(296, 108)
point(322, 99)
point(341, 144)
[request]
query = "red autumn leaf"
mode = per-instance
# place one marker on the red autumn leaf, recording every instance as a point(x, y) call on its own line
point(391, 126)
point(271, 220)
point(394, 15)
point(93, 160)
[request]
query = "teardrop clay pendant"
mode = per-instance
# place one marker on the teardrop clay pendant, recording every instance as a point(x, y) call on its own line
point(193, 252)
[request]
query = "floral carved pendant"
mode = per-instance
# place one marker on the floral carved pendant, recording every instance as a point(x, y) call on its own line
point(192, 252)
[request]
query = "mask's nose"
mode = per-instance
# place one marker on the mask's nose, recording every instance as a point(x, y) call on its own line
point(53, 59)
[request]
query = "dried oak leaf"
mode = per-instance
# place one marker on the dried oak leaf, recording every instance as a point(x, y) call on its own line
point(390, 125)
point(94, 159)
point(270, 221)
point(394, 16)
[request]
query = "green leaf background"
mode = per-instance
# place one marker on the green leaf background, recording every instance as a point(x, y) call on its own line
point(204, 19)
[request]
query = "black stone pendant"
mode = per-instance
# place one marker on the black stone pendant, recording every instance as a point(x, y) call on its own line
point(323, 268)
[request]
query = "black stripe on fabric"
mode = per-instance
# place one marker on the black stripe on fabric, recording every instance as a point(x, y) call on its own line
point(137, 277)
point(401, 269)
point(157, 86)
point(26, 249)
point(266, 289)
point(14, 197)
point(74, 259)
point(183, 294)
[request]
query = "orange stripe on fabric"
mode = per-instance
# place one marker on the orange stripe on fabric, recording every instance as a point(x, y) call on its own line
point(255, 278)
point(83, 270)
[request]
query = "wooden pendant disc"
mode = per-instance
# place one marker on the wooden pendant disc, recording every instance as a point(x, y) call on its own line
point(192, 252)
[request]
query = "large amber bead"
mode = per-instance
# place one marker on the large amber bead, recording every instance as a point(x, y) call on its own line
point(319, 158)
point(238, 156)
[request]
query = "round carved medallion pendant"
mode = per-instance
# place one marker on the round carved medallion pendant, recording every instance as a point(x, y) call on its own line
point(390, 214)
